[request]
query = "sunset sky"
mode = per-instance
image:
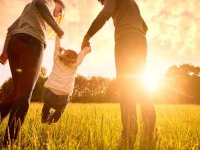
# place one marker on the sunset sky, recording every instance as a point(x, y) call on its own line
point(173, 35)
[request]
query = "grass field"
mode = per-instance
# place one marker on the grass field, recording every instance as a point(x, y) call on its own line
point(98, 127)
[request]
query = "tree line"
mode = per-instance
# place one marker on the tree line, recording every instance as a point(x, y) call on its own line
point(93, 89)
point(180, 84)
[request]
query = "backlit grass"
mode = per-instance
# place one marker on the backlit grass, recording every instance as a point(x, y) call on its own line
point(98, 127)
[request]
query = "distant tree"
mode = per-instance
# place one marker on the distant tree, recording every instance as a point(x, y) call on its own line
point(112, 94)
point(81, 91)
point(95, 89)
point(98, 86)
point(38, 91)
point(181, 84)
point(6, 88)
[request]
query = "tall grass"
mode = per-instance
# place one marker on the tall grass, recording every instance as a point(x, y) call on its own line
point(98, 127)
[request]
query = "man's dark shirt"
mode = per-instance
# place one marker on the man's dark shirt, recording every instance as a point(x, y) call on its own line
point(126, 18)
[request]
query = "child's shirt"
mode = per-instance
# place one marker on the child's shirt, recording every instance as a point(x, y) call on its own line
point(62, 78)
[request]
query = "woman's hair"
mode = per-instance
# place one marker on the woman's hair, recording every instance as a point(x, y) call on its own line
point(51, 33)
point(59, 19)
point(67, 57)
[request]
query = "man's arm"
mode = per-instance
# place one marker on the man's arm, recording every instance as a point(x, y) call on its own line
point(98, 23)
point(103, 16)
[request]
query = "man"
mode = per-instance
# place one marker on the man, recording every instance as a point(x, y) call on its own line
point(130, 60)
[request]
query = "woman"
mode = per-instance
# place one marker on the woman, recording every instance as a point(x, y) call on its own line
point(24, 47)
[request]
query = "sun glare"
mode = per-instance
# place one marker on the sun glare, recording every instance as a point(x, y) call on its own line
point(151, 79)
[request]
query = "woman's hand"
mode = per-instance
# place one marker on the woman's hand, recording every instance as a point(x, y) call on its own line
point(3, 58)
point(60, 33)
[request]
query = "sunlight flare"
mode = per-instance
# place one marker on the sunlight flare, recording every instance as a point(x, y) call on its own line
point(151, 79)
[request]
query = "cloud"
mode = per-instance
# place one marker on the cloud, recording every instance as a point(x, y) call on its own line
point(173, 35)
point(173, 29)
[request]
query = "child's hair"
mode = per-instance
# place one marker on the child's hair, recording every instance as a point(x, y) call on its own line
point(67, 57)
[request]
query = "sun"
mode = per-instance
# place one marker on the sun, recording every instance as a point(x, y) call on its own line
point(151, 79)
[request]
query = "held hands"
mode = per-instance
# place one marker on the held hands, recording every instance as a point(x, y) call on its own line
point(60, 33)
point(85, 42)
point(3, 58)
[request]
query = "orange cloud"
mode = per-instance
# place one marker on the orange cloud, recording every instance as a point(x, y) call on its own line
point(173, 35)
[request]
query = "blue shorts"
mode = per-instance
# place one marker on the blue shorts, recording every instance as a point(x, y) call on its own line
point(57, 102)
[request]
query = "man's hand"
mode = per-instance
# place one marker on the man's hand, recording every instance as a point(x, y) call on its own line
point(3, 58)
point(85, 42)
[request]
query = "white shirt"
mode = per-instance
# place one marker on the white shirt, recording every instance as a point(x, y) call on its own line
point(62, 78)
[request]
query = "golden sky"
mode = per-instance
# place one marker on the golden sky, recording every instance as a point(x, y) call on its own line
point(173, 35)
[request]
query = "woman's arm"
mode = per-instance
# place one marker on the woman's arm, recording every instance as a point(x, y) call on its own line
point(10, 29)
point(42, 7)
point(3, 58)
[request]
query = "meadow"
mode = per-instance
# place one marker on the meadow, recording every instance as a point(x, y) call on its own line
point(98, 127)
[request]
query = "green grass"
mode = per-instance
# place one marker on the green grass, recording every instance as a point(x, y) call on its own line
point(98, 127)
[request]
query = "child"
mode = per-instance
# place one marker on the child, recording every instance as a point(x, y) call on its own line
point(60, 82)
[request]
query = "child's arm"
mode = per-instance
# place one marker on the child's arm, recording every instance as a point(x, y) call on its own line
point(57, 43)
point(82, 55)
point(57, 46)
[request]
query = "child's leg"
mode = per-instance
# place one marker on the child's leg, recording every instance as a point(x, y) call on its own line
point(45, 113)
point(56, 115)
point(48, 97)
point(59, 106)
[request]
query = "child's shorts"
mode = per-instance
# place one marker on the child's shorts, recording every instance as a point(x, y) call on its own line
point(58, 102)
